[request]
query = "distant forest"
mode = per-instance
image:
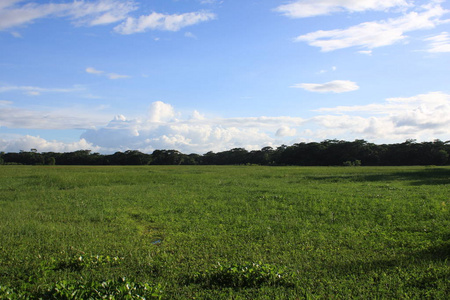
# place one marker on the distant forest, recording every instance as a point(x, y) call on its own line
point(326, 153)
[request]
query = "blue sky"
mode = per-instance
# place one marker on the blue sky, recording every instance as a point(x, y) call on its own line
point(211, 75)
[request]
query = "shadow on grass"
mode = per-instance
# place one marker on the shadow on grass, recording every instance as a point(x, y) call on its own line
point(439, 254)
point(425, 176)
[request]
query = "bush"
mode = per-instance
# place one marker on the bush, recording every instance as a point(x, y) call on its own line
point(355, 163)
point(249, 275)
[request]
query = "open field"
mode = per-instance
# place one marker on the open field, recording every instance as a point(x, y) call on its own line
point(209, 232)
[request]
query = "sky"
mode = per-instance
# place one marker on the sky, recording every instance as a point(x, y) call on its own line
point(212, 75)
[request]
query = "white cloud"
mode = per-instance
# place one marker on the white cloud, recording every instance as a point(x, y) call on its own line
point(48, 118)
point(158, 21)
point(91, 70)
point(28, 142)
point(394, 106)
point(35, 91)
point(164, 128)
point(5, 102)
point(375, 34)
point(423, 117)
point(190, 35)
point(185, 136)
point(16, 34)
point(439, 43)
point(8, 3)
point(310, 8)
point(14, 13)
point(332, 69)
point(366, 52)
point(160, 112)
point(335, 86)
point(286, 131)
point(113, 76)
point(211, 1)
point(117, 76)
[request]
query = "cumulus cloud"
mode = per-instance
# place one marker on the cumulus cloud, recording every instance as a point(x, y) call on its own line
point(164, 128)
point(425, 116)
point(186, 137)
point(310, 8)
point(15, 13)
point(335, 86)
point(422, 117)
point(371, 35)
point(160, 111)
point(439, 43)
point(158, 21)
point(113, 76)
point(286, 131)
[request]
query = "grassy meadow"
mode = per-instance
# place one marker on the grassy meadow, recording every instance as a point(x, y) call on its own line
point(224, 232)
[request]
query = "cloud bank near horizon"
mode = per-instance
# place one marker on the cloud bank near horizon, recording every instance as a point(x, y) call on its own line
point(422, 117)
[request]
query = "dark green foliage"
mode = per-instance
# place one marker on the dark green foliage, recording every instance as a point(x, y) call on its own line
point(81, 289)
point(326, 153)
point(121, 288)
point(246, 275)
point(355, 163)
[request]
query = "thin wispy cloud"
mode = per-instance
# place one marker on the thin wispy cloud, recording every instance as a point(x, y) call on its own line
point(211, 1)
point(376, 34)
point(51, 118)
point(190, 35)
point(5, 102)
point(166, 22)
point(16, 34)
point(36, 91)
point(15, 13)
point(335, 86)
point(432, 100)
point(311, 8)
point(439, 43)
point(365, 52)
point(112, 76)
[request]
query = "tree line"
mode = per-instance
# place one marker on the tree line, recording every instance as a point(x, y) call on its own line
point(325, 153)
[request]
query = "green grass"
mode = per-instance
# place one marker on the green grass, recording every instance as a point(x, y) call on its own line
point(228, 232)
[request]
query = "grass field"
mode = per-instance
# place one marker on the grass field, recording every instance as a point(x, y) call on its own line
point(228, 232)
